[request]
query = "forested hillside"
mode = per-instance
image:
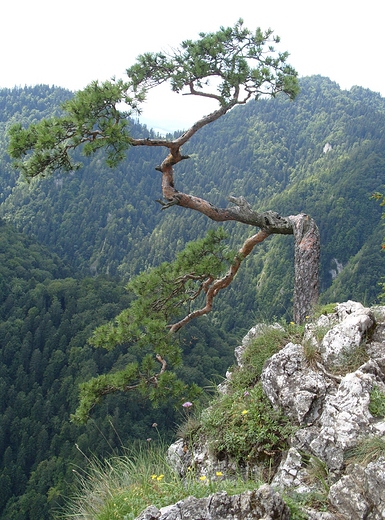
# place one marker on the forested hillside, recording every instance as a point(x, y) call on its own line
point(322, 154)
point(46, 317)
point(68, 242)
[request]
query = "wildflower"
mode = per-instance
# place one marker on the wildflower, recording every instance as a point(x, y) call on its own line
point(203, 477)
point(246, 393)
point(187, 404)
point(292, 323)
point(148, 439)
point(160, 477)
point(153, 477)
point(245, 412)
point(219, 474)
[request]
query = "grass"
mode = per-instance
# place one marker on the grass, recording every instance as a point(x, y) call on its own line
point(317, 472)
point(240, 425)
point(367, 450)
point(351, 361)
point(122, 487)
point(244, 426)
point(298, 501)
point(328, 308)
point(312, 354)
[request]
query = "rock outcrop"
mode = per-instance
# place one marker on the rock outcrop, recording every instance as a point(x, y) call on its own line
point(263, 503)
point(330, 404)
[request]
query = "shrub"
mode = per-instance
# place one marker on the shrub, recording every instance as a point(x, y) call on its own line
point(244, 426)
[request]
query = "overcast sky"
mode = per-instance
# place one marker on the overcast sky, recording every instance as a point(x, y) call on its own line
point(70, 43)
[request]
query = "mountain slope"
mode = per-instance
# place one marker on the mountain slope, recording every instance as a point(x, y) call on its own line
point(322, 154)
point(46, 317)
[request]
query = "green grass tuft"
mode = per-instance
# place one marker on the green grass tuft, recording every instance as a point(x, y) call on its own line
point(122, 487)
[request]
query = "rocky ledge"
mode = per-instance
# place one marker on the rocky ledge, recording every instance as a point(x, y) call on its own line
point(335, 416)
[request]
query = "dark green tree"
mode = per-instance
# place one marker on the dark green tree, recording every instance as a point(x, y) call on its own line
point(231, 67)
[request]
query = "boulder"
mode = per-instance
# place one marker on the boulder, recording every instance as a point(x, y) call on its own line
point(355, 323)
point(294, 386)
point(360, 494)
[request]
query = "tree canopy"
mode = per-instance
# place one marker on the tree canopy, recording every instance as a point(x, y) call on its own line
point(231, 66)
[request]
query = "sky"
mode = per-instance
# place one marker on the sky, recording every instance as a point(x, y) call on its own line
point(73, 42)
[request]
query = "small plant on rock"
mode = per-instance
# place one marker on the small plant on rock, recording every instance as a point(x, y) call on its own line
point(377, 402)
point(243, 425)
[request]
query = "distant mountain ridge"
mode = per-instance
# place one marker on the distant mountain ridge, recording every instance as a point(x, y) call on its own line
point(322, 154)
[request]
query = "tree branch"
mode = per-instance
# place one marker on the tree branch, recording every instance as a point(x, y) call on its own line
point(213, 287)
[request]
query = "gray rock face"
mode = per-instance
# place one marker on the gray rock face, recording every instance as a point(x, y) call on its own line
point(332, 411)
point(292, 385)
point(360, 494)
point(263, 503)
point(355, 321)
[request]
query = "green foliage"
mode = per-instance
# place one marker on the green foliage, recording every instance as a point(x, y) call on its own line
point(161, 294)
point(257, 352)
point(380, 197)
point(297, 502)
point(164, 290)
point(92, 120)
point(103, 221)
point(235, 55)
point(377, 402)
point(46, 317)
point(351, 360)
point(367, 450)
point(296, 509)
point(328, 308)
point(317, 471)
point(241, 423)
point(245, 427)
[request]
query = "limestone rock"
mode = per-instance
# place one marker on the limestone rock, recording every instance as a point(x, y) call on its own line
point(361, 493)
point(291, 384)
point(355, 322)
point(345, 419)
point(332, 412)
point(263, 503)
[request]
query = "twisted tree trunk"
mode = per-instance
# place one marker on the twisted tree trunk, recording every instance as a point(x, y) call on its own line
point(302, 226)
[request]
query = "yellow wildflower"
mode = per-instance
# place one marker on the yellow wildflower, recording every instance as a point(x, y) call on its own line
point(153, 477)
point(219, 474)
point(202, 477)
point(159, 478)
point(245, 412)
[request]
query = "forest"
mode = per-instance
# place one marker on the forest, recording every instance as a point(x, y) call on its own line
point(70, 243)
